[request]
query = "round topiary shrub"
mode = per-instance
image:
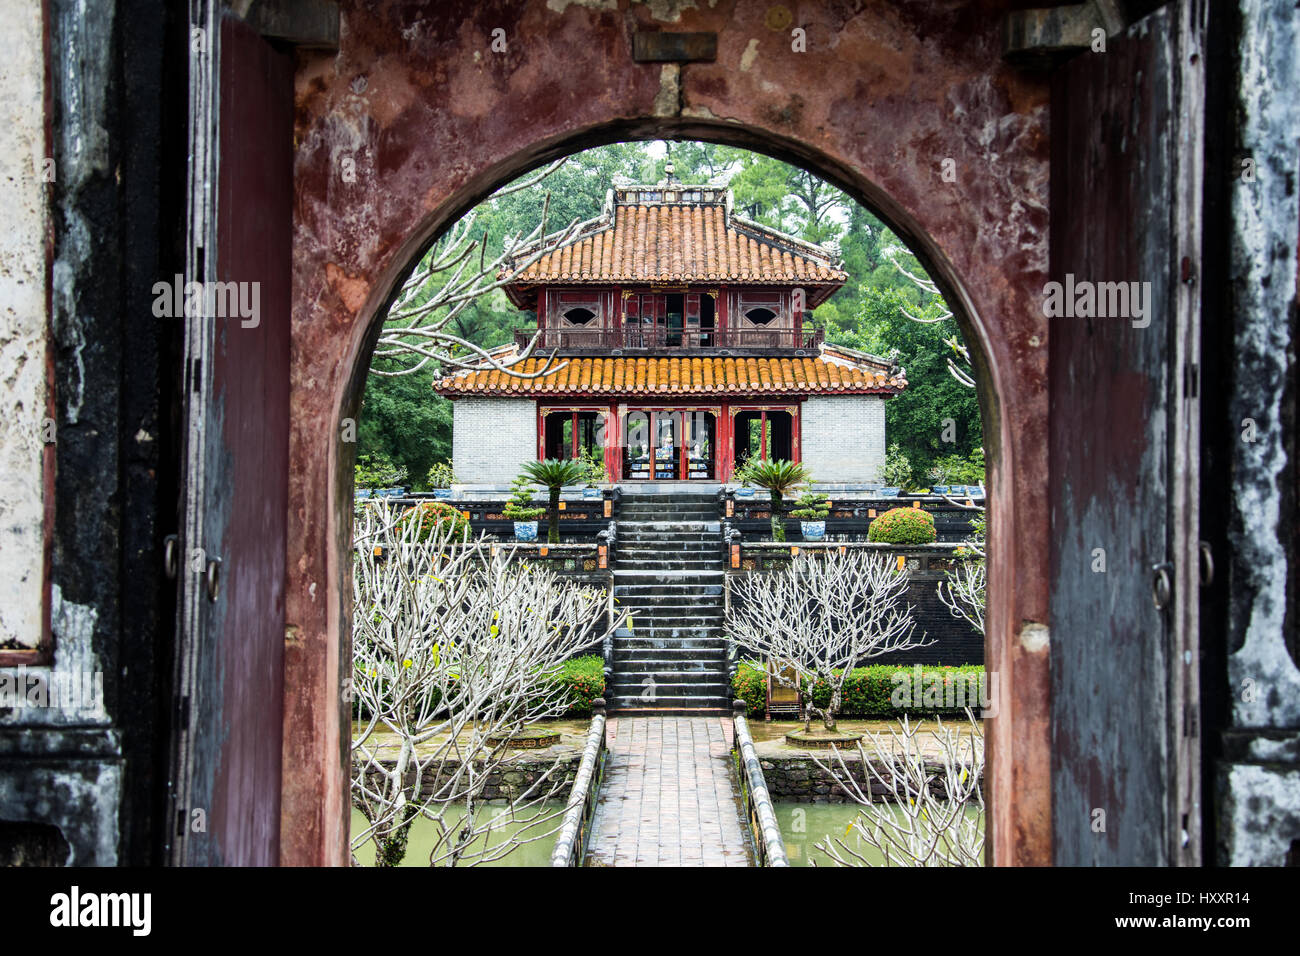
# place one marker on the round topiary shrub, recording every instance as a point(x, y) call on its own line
point(431, 514)
point(903, 526)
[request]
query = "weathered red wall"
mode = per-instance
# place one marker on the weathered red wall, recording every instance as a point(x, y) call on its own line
point(433, 120)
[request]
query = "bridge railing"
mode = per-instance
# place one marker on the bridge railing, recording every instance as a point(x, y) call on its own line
point(575, 832)
point(769, 845)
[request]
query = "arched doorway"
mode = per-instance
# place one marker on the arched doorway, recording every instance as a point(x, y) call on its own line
point(441, 128)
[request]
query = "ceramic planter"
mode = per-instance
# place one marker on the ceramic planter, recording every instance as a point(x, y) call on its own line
point(526, 531)
point(813, 530)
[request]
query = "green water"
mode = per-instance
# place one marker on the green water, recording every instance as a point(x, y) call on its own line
point(804, 824)
point(536, 853)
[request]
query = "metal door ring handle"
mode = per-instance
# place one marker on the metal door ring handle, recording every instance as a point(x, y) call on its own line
point(212, 578)
point(1207, 565)
point(171, 550)
point(1162, 586)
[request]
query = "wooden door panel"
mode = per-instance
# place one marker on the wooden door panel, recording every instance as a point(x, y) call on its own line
point(230, 663)
point(1125, 129)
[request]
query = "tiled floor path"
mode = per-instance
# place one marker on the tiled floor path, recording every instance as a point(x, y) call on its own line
point(669, 796)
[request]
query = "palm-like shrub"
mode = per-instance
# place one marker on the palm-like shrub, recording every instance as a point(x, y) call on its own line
point(780, 478)
point(555, 473)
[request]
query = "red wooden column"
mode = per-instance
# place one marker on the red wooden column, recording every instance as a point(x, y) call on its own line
point(796, 429)
point(683, 461)
point(541, 434)
point(726, 445)
point(573, 436)
point(613, 444)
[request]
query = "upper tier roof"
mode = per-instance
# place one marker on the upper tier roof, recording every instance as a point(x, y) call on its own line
point(676, 233)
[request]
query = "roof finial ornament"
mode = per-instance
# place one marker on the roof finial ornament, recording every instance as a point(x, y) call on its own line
point(669, 168)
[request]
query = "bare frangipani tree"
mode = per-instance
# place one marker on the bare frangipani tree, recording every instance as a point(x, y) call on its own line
point(822, 616)
point(451, 276)
point(455, 647)
point(919, 808)
point(962, 591)
point(961, 374)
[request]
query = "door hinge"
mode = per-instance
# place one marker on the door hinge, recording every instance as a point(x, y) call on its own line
point(1191, 380)
point(183, 712)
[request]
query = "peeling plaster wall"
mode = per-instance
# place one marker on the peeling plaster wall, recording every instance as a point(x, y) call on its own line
point(86, 768)
point(1259, 781)
point(23, 324)
point(434, 119)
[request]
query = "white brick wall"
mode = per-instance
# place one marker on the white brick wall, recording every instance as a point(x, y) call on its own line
point(844, 437)
point(492, 437)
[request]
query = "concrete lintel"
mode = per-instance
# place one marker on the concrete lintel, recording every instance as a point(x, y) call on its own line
point(1046, 35)
point(311, 24)
point(674, 47)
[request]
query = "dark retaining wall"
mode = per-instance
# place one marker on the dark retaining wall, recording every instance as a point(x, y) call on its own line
point(796, 777)
point(517, 774)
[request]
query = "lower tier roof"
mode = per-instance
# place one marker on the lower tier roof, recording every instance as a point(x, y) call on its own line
point(834, 372)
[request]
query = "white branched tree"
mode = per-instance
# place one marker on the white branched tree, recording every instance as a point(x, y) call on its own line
point(963, 590)
point(450, 277)
point(822, 616)
point(454, 651)
point(919, 808)
point(918, 278)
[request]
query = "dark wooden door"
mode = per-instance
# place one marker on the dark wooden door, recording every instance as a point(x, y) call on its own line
point(1126, 207)
point(227, 742)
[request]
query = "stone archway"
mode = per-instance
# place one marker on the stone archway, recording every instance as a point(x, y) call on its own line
point(415, 119)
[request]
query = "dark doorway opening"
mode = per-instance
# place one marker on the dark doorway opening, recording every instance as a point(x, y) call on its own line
point(761, 434)
point(572, 435)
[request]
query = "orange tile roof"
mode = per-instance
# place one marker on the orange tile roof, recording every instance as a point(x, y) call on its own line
point(682, 242)
point(652, 376)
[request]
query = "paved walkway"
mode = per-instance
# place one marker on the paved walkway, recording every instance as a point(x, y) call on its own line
point(669, 797)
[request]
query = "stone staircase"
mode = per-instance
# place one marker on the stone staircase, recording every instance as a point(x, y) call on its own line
point(668, 575)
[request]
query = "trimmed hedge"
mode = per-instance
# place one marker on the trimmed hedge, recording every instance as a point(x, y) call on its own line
point(583, 679)
point(869, 690)
point(903, 526)
point(430, 514)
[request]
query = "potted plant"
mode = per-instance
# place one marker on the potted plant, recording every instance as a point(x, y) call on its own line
point(740, 473)
point(896, 472)
point(597, 473)
point(554, 474)
point(520, 510)
point(441, 477)
point(812, 511)
point(779, 478)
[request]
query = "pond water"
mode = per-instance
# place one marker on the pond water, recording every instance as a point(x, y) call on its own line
point(804, 824)
point(536, 853)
